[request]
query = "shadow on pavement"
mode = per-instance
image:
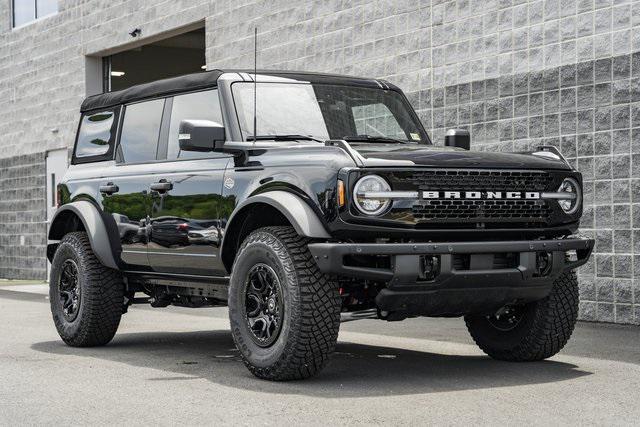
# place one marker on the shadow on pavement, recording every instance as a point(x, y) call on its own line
point(356, 370)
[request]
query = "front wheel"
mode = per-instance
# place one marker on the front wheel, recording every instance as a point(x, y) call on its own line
point(284, 313)
point(533, 331)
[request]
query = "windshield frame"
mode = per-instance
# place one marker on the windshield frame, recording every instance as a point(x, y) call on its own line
point(424, 136)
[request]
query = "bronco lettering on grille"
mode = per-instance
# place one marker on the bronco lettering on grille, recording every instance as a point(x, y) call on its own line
point(476, 195)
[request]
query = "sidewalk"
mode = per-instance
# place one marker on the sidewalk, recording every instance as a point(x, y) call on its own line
point(25, 286)
point(10, 282)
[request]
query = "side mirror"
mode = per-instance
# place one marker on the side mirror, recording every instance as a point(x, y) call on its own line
point(200, 135)
point(458, 138)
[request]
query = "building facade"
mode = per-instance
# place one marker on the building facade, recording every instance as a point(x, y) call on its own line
point(516, 73)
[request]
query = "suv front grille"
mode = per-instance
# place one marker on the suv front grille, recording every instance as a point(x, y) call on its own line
point(482, 210)
point(470, 212)
point(476, 180)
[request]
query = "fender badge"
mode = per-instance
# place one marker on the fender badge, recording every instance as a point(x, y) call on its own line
point(229, 183)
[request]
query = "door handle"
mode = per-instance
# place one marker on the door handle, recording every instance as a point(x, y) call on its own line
point(109, 188)
point(161, 186)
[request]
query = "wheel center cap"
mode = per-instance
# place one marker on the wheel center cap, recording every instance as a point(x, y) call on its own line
point(271, 304)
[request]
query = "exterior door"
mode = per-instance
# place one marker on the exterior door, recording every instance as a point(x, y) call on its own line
point(125, 192)
point(185, 225)
point(125, 197)
point(57, 163)
point(185, 228)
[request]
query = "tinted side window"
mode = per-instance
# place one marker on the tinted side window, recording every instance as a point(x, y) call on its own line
point(96, 136)
point(197, 106)
point(140, 130)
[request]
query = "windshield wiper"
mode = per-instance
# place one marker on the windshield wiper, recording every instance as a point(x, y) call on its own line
point(373, 138)
point(292, 137)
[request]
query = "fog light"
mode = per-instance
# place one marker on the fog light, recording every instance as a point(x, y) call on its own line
point(430, 266)
point(543, 263)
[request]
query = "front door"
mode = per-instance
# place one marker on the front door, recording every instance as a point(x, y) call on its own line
point(185, 224)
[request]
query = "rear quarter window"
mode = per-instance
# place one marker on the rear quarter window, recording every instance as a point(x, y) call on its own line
point(96, 136)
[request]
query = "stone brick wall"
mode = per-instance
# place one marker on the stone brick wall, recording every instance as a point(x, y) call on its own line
point(590, 111)
point(42, 83)
point(516, 73)
point(23, 217)
point(563, 73)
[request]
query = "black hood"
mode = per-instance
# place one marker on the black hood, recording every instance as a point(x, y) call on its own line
point(380, 155)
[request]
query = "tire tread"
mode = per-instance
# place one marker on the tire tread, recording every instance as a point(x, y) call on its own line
point(315, 334)
point(553, 323)
point(102, 297)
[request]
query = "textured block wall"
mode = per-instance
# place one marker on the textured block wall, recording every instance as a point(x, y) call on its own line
point(516, 73)
point(563, 73)
point(23, 217)
point(42, 83)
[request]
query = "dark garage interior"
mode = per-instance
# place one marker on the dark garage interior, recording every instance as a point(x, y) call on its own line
point(170, 57)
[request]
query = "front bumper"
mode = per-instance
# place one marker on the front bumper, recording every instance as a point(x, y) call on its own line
point(480, 285)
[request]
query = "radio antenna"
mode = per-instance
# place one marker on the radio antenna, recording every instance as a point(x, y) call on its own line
point(255, 84)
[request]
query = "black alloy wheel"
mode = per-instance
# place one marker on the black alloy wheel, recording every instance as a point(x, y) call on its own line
point(507, 318)
point(263, 303)
point(69, 290)
point(284, 313)
point(87, 298)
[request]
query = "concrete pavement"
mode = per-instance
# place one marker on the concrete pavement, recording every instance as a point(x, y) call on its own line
point(178, 366)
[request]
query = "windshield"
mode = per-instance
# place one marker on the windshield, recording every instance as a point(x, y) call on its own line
point(325, 111)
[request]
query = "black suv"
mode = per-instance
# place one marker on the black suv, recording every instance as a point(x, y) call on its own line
point(299, 199)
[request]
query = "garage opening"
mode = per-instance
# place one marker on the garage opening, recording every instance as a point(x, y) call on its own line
point(170, 57)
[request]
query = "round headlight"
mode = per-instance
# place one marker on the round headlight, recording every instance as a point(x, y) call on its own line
point(371, 205)
point(574, 195)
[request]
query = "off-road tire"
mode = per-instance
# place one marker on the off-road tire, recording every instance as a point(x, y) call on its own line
point(312, 303)
point(543, 331)
point(102, 295)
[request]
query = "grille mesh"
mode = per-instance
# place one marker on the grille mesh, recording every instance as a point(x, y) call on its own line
point(482, 210)
point(477, 180)
point(490, 211)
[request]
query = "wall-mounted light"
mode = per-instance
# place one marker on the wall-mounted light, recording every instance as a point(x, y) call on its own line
point(204, 67)
point(117, 73)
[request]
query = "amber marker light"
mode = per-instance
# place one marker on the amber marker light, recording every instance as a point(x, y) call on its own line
point(341, 195)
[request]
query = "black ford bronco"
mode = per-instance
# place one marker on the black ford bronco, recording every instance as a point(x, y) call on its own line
point(300, 199)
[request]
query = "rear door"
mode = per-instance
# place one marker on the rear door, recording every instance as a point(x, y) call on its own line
point(186, 195)
point(120, 195)
point(125, 194)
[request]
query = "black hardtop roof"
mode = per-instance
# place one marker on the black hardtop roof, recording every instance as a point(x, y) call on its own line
point(209, 79)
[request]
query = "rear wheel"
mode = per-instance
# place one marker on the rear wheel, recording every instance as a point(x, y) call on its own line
point(284, 313)
point(87, 298)
point(530, 332)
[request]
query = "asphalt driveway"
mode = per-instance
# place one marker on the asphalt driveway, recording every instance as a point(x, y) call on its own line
point(179, 366)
